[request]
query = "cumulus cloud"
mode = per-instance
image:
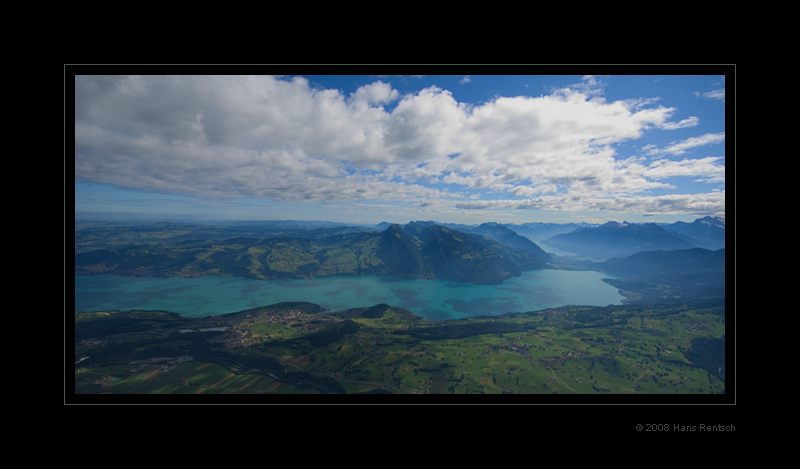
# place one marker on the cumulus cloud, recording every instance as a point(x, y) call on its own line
point(272, 138)
point(376, 93)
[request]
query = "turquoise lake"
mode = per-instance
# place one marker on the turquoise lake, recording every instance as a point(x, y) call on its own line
point(433, 299)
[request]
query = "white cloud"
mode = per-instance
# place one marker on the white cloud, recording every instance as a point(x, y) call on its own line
point(688, 122)
point(715, 94)
point(279, 139)
point(682, 147)
point(708, 169)
point(712, 203)
point(376, 93)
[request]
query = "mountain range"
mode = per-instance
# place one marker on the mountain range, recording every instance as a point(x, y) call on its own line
point(706, 232)
point(418, 249)
point(614, 239)
point(488, 253)
point(540, 231)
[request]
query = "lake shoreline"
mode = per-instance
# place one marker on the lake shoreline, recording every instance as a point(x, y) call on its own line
point(432, 299)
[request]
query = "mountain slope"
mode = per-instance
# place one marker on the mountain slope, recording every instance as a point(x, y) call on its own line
point(669, 276)
point(463, 257)
point(663, 262)
point(509, 237)
point(399, 253)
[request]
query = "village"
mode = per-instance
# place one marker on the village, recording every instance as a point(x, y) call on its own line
point(253, 328)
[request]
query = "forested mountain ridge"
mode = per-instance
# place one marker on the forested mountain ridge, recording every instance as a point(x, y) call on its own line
point(662, 262)
point(423, 250)
point(90, 236)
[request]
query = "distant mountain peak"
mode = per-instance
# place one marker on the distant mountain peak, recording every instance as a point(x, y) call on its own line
point(712, 221)
point(493, 225)
point(612, 223)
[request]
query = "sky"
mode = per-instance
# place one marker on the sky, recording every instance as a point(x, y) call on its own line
point(373, 148)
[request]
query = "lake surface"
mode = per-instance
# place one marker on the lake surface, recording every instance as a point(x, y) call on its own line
point(432, 299)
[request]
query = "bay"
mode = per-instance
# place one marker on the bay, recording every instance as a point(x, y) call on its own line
point(432, 299)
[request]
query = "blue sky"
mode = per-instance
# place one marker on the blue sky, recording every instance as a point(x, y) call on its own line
point(372, 148)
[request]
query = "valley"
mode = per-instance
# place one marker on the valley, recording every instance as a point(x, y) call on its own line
point(667, 338)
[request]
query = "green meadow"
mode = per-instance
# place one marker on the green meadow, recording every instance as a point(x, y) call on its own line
point(280, 349)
